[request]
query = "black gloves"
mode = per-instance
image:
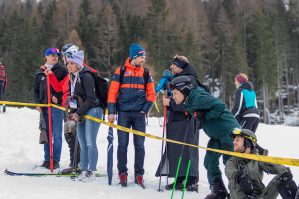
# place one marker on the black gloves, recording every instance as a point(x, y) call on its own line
point(286, 176)
point(245, 182)
point(287, 187)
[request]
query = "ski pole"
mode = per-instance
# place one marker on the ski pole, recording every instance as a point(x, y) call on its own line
point(50, 124)
point(158, 110)
point(186, 179)
point(179, 163)
point(164, 127)
point(189, 162)
point(176, 176)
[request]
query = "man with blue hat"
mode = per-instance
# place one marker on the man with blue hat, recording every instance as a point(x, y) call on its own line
point(131, 95)
point(51, 68)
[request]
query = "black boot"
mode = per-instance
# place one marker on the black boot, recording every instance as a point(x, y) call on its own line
point(191, 184)
point(179, 184)
point(218, 190)
point(46, 164)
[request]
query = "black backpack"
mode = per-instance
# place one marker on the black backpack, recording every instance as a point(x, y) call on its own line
point(101, 86)
point(145, 75)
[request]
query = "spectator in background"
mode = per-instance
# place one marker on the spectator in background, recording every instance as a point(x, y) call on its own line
point(245, 108)
point(3, 85)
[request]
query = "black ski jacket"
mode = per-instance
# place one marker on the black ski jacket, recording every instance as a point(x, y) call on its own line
point(40, 84)
point(85, 89)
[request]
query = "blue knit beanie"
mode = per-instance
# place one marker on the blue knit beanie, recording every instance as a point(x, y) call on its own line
point(136, 50)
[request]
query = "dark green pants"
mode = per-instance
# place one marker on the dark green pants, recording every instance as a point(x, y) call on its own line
point(211, 161)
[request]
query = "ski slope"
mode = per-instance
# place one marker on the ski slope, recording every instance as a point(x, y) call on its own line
point(20, 151)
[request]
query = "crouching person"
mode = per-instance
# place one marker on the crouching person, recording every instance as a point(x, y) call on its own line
point(216, 121)
point(82, 85)
point(245, 176)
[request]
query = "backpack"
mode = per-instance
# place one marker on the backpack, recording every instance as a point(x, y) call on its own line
point(145, 75)
point(101, 86)
point(2, 73)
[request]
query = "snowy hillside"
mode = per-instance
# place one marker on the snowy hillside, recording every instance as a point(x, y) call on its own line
point(19, 150)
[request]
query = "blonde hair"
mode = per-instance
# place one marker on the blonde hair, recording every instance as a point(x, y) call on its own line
point(182, 58)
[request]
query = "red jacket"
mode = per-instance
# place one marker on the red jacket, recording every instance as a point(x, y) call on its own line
point(64, 84)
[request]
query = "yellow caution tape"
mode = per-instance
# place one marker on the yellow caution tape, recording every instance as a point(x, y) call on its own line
point(275, 160)
point(270, 159)
point(23, 104)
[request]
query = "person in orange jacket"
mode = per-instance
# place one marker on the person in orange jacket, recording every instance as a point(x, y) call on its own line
point(131, 95)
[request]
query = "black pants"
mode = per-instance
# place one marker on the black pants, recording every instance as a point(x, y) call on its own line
point(73, 143)
point(250, 123)
point(71, 140)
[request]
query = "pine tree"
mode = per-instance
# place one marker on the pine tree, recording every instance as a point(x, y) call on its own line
point(107, 41)
point(156, 34)
point(87, 31)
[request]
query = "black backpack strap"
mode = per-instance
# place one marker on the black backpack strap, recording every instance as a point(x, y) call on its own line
point(121, 74)
point(146, 77)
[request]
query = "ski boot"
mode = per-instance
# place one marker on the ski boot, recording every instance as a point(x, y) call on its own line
point(123, 179)
point(179, 184)
point(218, 190)
point(139, 180)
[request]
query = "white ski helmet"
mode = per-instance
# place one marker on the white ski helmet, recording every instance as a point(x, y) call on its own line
point(68, 49)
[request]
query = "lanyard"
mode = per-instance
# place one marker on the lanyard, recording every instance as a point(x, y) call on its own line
point(73, 84)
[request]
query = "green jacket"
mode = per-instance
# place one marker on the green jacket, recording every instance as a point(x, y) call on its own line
point(216, 120)
point(255, 170)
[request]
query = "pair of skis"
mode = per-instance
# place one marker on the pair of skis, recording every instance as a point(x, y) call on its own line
point(72, 175)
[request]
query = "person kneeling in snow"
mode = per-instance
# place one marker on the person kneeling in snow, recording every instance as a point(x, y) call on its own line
point(245, 176)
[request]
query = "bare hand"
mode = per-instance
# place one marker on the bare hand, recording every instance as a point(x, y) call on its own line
point(47, 72)
point(54, 100)
point(75, 117)
point(111, 118)
point(39, 109)
point(165, 101)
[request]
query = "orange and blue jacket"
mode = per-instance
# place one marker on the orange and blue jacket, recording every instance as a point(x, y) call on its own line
point(130, 95)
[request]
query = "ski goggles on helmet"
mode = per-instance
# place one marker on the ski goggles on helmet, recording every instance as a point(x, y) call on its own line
point(68, 50)
point(173, 86)
point(238, 132)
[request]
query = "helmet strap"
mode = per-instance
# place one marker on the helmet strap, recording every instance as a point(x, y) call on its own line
point(248, 144)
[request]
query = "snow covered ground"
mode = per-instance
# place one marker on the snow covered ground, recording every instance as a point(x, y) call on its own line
point(19, 150)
